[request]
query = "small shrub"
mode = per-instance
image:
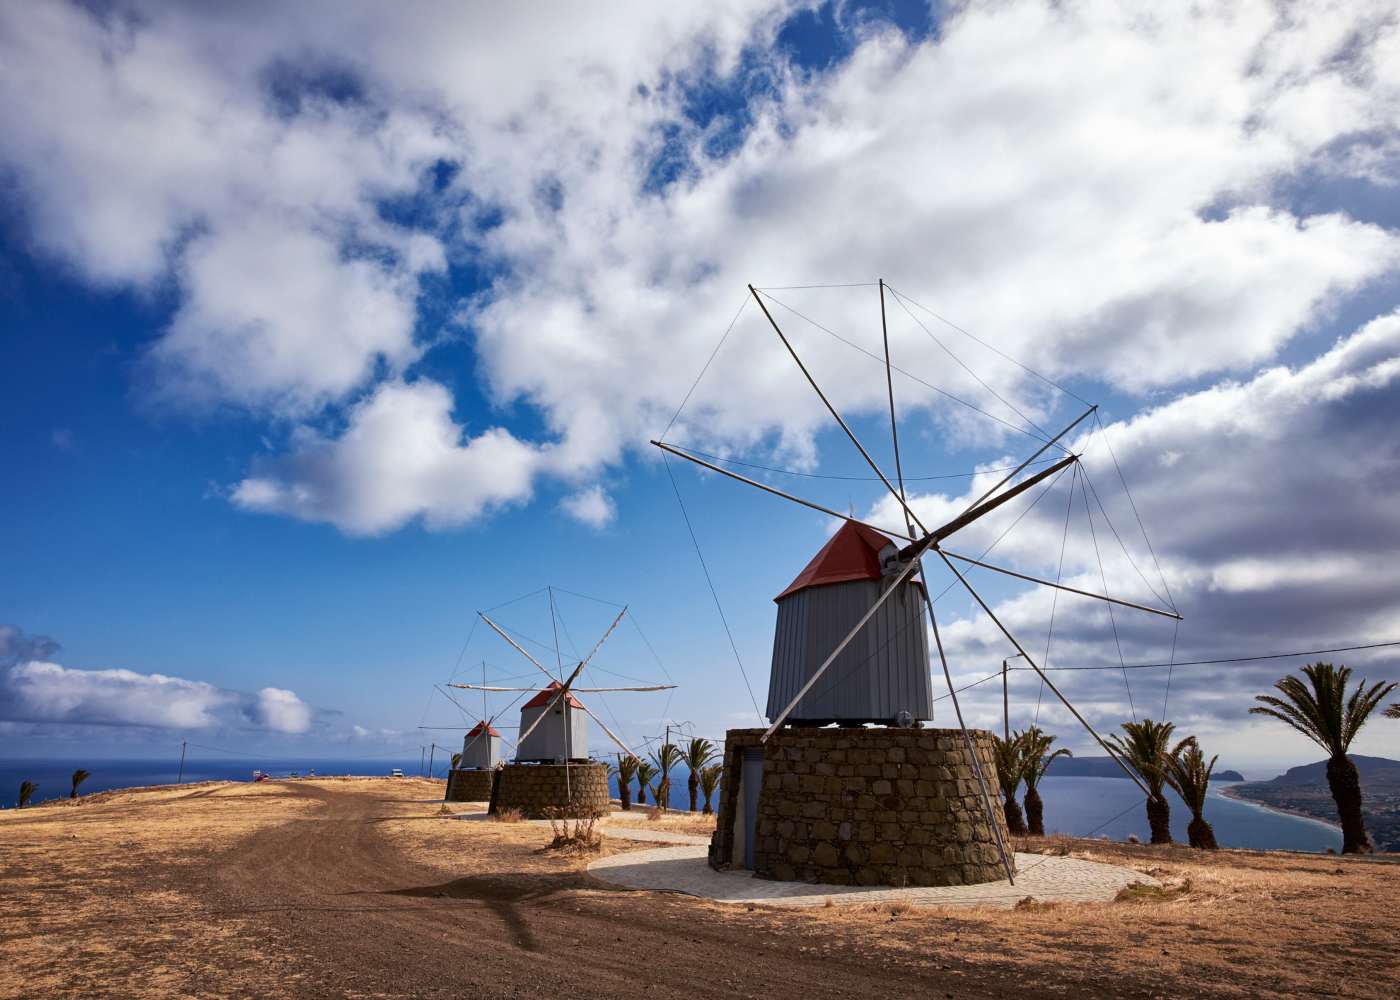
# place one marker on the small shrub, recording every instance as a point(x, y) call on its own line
point(900, 906)
point(1132, 839)
point(1032, 905)
point(509, 816)
point(574, 834)
point(1141, 892)
point(654, 814)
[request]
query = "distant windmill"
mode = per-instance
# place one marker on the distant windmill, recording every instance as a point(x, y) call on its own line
point(887, 567)
point(553, 724)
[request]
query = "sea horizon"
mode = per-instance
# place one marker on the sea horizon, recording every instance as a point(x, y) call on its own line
point(1074, 806)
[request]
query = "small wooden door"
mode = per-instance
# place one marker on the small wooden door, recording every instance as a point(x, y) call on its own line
point(752, 784)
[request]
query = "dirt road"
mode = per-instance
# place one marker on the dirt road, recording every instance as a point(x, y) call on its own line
point(378, 923)
point(362, 889)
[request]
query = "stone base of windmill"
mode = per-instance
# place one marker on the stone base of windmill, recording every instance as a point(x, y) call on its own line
point(896, 807)
point(545, 791)
point(469, 785)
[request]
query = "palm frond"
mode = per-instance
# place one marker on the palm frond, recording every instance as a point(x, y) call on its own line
point(709, 778)
point(698, 753)
point(1321, 709)
point(1144, 746)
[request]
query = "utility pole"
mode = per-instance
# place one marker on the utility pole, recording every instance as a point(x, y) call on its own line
point(422, 753)
point(1005, 702)
point(180, 780)
point(430, 760)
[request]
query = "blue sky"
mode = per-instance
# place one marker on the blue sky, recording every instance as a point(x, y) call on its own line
point(315, 338)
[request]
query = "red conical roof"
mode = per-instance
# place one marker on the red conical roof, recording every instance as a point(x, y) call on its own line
point(476, 730)
point(853, 553)
point(545, 696)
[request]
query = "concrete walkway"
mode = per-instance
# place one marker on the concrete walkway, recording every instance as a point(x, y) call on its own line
point(685, 870)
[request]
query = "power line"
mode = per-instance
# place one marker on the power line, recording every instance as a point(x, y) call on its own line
point(1190, 663)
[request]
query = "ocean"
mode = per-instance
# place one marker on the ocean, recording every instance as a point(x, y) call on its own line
point(1082, 807)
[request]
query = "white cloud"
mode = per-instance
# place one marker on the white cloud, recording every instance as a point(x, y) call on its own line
point(1274, 528)
point(44, 694)
point(592, 507)
point(1045, 174)
point(400, 457)
point(282, 711)
point(52, 693)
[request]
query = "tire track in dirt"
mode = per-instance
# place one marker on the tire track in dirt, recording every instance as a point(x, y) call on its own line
point(368, 921)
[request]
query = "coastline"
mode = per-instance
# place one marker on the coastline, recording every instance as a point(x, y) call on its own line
point(1229, 791)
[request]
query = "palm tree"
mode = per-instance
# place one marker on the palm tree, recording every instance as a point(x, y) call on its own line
point(645, 772)
point(666, 758)
point(626, 770)
point(1189, 775)
point(456, 760)
point(1330, 719)
point(26, 792)
point(1145, 749)
point(709, 781)
point(1035, 761)
point(79, 776)
point(1008, 761)
point(698, 753)
point(1393, 712)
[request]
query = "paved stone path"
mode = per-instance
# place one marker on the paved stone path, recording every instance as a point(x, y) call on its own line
point(685, 870)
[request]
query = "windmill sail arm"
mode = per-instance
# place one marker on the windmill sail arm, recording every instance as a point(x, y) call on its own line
point(625, 748)
point(519, 648)
point(1044, 448)
point(599, 644)
point(487, 687)
point(963, 520)
point(1061, 586)
point(682, 453)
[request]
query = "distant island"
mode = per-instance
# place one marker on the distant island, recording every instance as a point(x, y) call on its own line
point(1107, 767)
point(1303, 790)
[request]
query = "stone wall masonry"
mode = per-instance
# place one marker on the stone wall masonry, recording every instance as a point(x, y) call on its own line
point(538, 790)
point(469, 785)
point(876, 806)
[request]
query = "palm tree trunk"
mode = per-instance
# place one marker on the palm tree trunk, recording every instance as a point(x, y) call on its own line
point(641, 794)
point(708, 810)
point(1200, 834)
point(1159, 817)
point(1014, 823)
point(1346, 791)
point(694, 784)
point(624, 794)
point(1035, 812)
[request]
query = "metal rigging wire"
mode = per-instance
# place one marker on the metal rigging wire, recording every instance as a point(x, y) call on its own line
point(1055, 600)
point(1048, 381)
point(928, 385)
point(859, 479)
point(713, 593)
point(676, 416)
point(1112, 619)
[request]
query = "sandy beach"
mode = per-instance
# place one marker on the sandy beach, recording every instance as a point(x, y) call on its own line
point(1230, 792)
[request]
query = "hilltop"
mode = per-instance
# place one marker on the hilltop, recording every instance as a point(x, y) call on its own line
point(1303, 789)
point(328, 888)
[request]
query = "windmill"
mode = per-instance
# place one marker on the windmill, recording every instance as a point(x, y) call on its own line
point(552, 769)
point(889, 565)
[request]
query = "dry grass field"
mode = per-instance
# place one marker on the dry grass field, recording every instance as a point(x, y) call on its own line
point(361, 887)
